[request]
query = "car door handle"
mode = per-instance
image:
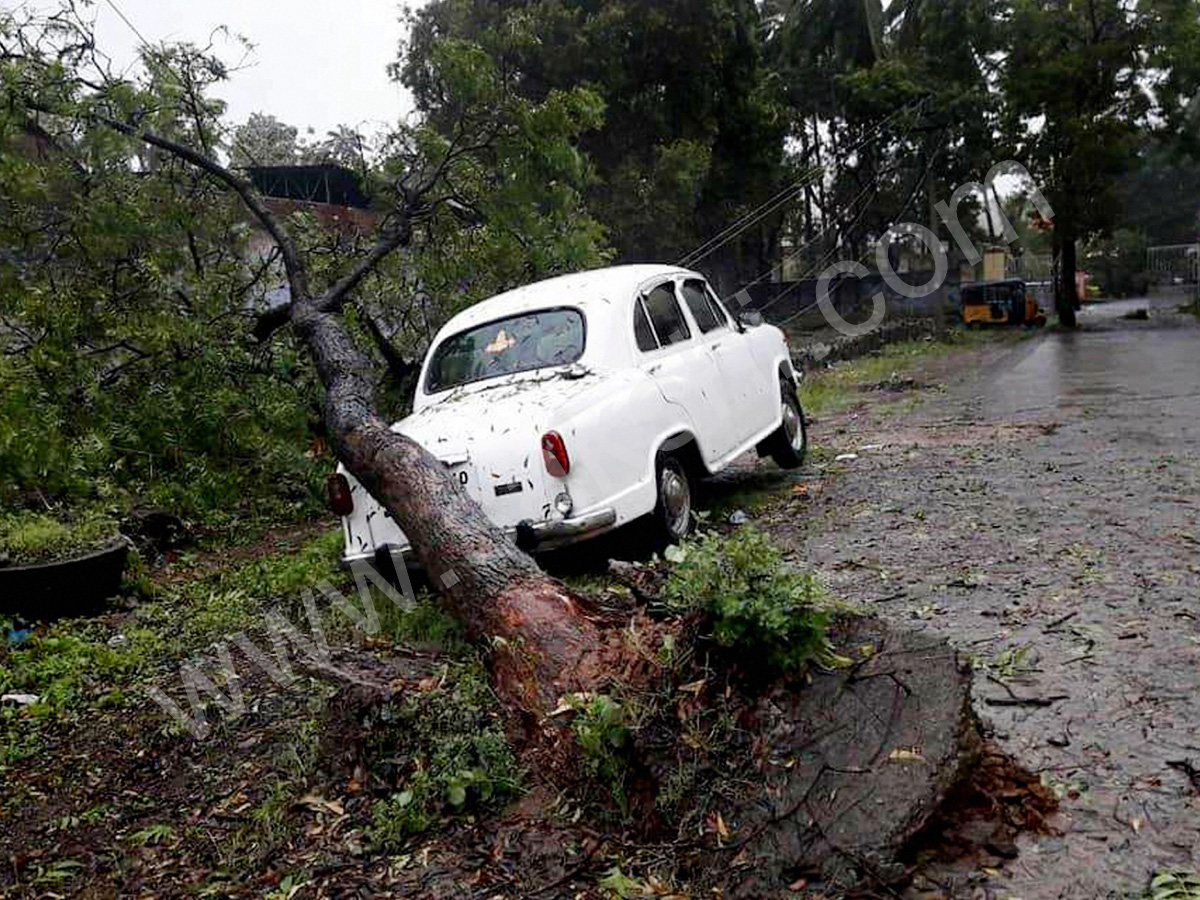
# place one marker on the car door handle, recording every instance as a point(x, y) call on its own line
point(716, 346)
point(654, 369)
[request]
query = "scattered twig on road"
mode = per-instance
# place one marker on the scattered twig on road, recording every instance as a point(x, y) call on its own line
point(1188, 768)
point(1014, 700)
point(1040, 702)
point(1062, 620)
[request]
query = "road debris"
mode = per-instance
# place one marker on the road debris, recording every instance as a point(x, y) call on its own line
point(19, 699)
point(1188, 768)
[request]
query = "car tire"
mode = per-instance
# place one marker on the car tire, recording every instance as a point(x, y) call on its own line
point(788, 446)
point(672, 518)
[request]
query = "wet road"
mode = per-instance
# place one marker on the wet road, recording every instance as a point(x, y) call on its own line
point(1110, 361)
point(1042, 514)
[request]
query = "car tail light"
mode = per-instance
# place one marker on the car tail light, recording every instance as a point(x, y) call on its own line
point(554, 452)
point(337, 488)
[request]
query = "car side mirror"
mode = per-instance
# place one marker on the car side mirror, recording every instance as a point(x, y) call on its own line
point(751, 318)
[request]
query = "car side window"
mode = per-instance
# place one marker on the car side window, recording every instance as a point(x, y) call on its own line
point(722, 312)
point(642, 330)
point(665, 315)
point(697, 299)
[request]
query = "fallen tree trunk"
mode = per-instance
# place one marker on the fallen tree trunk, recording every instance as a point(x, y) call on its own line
point(542, 643)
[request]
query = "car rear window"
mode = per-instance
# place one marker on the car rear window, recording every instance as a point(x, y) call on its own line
point(537, 340)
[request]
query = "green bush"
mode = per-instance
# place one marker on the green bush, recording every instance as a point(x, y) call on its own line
point(451, 751)
point(38, 537)
point(1174, 886)
point(200, 436)
point(603, 735)
point(756, 603)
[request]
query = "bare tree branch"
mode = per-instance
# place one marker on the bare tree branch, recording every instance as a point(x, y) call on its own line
point(296, 273)
point(397, 236)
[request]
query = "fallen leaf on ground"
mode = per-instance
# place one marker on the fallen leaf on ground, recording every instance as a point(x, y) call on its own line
point(906, 754)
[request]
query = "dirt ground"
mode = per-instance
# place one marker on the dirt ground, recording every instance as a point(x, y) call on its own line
point(1037, 506)
point(1031, 501)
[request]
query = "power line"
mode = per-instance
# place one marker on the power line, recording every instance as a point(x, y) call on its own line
point(756, 215)
point(751, 218)
point(874, 181)
point(128, 24)
point(824, 261)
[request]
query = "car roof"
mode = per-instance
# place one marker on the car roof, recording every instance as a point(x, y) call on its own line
point(589, 291)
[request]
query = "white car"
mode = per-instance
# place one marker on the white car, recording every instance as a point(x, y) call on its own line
point(575, 405)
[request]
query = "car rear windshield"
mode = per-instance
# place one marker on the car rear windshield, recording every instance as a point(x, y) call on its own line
point(538, 340)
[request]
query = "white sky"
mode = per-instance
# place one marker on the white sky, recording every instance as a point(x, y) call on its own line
point(316, 63)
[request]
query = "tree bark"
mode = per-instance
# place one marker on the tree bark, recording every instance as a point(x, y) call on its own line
point(1066, 295)
point(542, 643)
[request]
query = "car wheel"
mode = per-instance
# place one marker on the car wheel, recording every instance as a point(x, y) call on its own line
point(673, 510)
point(789, 444)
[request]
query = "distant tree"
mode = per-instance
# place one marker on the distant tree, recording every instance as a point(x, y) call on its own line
point(506, 150)
point(1118, 263)
point(894, 103)
point(692, 135)
point(1161, 197)
point(1077, 82)
point(344, 146)
point(263, 140)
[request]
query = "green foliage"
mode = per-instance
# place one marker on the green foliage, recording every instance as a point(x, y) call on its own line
point(616, 883)
point(153, 835)
point(1174, 886)
point(758, 606)
point(427, 622)
point(64, 666)
point(126, 374)
point(75, 666)
point(1007, 665)
point(692, 133)
point(526, 217)
point(1119, 263)
point(450, 750)
point(38, 537)
point(603, 735)
point(285, 574)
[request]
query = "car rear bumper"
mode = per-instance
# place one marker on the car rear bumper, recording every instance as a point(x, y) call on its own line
point(530, 536)
point(546, 535)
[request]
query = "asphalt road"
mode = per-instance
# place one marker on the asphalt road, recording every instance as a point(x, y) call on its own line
point(1041, 513)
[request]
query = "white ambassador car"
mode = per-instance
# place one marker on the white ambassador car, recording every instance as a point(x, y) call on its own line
point(575, 405)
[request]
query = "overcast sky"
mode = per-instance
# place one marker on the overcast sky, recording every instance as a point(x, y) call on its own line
point(316, 63)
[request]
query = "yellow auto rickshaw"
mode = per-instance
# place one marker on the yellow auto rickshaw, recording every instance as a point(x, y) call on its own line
point(1008, 302)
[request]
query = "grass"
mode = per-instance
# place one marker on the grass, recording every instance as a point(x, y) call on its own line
point(839, 387)
point(73, 665)
point(27, 537)
point(448, 735)
point(77, 665)
point(1174, 886)
point(447, 752)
